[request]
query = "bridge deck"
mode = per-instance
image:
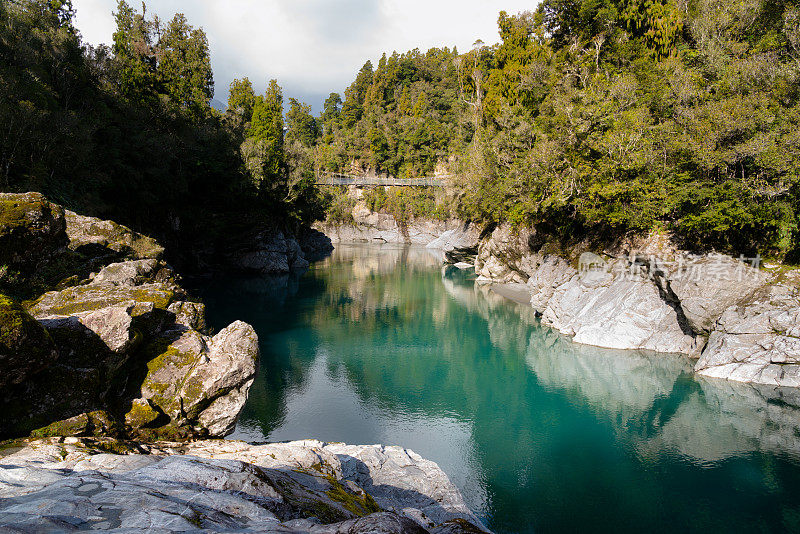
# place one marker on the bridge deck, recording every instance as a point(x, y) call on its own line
point(350, 179)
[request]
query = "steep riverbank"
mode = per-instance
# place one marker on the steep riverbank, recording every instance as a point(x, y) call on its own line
point(99, 339)
point(740, 323)
point(371, 227)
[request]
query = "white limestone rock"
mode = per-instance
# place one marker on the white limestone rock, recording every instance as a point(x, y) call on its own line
point(706, 286)
point(758, 339)
point(305, 486)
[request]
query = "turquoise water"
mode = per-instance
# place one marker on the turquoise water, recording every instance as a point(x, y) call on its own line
point(383, 345)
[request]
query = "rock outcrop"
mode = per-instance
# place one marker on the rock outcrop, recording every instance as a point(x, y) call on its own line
point(758, 338)
point(275, 251)
point(117, 348)
point(31, 234)
point(505, 256)
point(25, 346)
point(741, 322)
point(372, 227)
point(613, 304)
point(305, 486)
point(271, 252)
point(613, 309)
point(706, 286)
point(30, 228)
point(107, 238)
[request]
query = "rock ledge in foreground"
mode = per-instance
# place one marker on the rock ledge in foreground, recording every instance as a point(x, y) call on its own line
point(304, 486)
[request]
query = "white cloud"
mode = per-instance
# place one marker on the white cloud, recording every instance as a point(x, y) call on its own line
point(312, 47)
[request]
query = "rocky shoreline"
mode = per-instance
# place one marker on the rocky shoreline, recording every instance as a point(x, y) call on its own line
point(117, 347)
point(739, 322)
point(306, 486)
point(109, 375)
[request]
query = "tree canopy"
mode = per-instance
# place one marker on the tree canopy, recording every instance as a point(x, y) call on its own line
point(606, 116)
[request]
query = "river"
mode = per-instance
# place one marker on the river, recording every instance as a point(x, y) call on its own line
point(381, 344)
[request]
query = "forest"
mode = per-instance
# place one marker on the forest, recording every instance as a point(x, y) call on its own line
point(597, 116)
point(126, 131)
point(588, 117)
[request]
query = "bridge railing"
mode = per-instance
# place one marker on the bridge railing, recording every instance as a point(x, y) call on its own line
point(330, 178)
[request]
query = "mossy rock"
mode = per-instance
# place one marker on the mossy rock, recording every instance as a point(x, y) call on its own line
point(97, 423)
point(100, 237)
point(74, 426)
point(31, 228)
point(92, 297)
point(141, 414)
point(358, 501)
point(32, 235)
point(56, 393)
point(169, 363)
point(25, 345)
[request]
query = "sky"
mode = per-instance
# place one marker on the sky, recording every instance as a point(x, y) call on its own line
point(312, 47)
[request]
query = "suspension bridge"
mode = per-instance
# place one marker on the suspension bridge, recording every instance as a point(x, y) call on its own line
point(333, 178)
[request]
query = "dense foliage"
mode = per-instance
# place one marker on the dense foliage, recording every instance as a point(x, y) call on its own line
point(590, 116)
point(396, 119)
point(127, 132)
point(600, 116)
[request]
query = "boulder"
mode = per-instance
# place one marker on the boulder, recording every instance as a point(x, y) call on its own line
point(202, 381)
point(129, 333)
point(25, 346)
point(305, 486)
point(32, 231)
point(758, 339)
point(99, 237)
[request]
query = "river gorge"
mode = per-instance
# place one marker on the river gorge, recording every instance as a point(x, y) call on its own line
point(382, 344)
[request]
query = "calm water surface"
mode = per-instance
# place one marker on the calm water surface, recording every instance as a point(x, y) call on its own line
point(379, 344)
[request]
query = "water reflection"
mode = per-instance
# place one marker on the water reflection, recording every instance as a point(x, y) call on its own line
point(382, 345)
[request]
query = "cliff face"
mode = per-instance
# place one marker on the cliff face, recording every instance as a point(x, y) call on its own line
point(743, 323)
point(372, 227)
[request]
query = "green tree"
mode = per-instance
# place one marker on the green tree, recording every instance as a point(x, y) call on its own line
point(135, 55)
point(185, 66)
point(332, 110)
point(354, 96)
point(263, 149)
point(241, 100)
point(301, 124)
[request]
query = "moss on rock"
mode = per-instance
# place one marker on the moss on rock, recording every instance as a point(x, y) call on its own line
point(25, 346)
point(32, 236)
point(97, 423)
point(92, 297)
point(117, 240)
point(74, 426)
point(359, 504)
point(141, 414)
